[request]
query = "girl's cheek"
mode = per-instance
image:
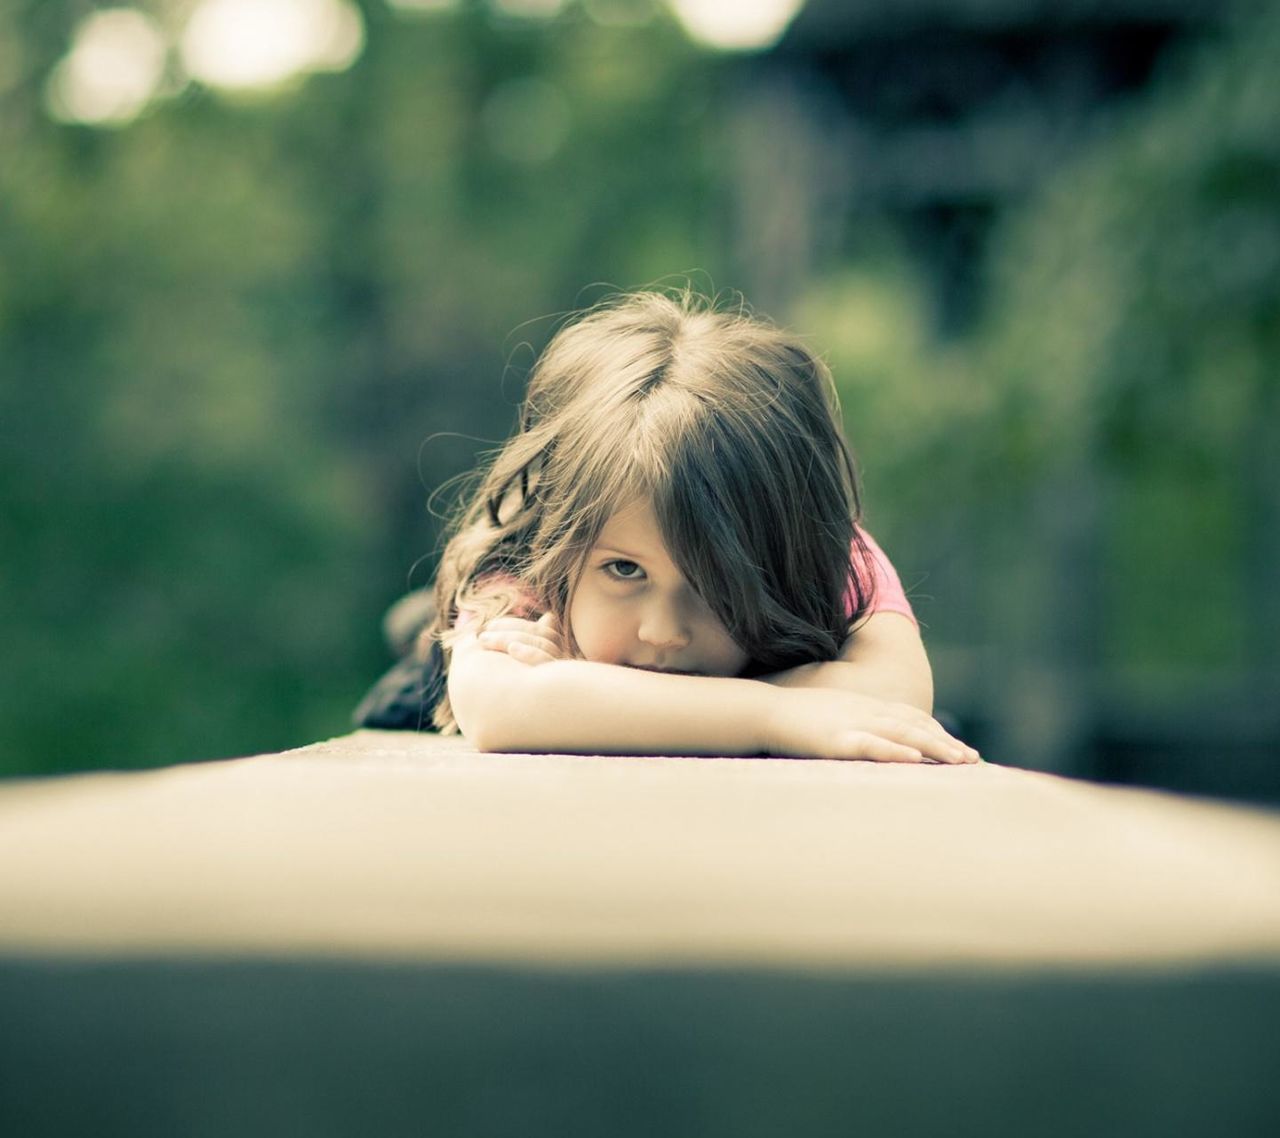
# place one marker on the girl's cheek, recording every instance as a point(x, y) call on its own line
point(729, 658)
point(603, 649)
point(580, 630)
point(598, 639)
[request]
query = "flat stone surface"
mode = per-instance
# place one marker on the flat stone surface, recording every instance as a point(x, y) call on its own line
point(384, 846)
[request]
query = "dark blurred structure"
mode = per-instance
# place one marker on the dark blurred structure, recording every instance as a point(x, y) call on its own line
point(937, 115)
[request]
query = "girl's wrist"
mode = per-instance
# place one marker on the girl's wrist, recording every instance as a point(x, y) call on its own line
point(770, 710)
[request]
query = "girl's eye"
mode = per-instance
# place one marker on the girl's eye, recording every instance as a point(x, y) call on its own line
point(623, 570)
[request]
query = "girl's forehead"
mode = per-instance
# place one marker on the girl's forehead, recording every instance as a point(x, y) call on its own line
point(633, 528)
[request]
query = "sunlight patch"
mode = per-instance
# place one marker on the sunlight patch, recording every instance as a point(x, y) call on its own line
point(114, 68)
point(247, 45)
point(736, 25)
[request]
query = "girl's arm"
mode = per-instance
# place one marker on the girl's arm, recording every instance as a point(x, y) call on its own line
point(884, 657)
point(504, 704)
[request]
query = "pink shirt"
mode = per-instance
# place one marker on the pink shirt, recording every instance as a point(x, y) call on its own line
point(889, 595)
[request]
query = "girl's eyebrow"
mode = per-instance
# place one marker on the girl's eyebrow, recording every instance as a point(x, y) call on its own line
point(605, 548)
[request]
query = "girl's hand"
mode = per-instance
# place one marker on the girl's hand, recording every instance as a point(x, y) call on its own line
point(825, 723)
point(529, 641)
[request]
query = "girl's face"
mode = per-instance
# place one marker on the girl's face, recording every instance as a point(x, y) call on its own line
point(632, 606)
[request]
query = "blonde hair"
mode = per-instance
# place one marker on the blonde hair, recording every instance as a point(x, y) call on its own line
point(727, 424)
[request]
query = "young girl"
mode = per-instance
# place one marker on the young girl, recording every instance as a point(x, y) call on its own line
point(665, 559)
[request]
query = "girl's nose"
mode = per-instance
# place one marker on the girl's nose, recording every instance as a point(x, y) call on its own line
point(662, 627)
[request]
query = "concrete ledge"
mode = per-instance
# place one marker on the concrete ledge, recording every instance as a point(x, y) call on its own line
point(401, 847)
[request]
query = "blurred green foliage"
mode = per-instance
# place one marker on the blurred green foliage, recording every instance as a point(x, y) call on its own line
point(241, 339)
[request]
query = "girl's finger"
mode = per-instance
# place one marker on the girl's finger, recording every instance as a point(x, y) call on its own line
point(960, 751)
point(503, 637)
point(528, 653)
point(506, 641)
point(936, 745)
point(926, 733)
point(931, 744)
point(511, 624)
point(915, 717)
point(865, 745)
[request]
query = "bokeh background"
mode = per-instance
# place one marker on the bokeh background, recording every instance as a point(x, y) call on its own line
point(272, 273)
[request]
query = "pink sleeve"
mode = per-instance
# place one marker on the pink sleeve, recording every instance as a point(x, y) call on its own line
point(526, 604)
point(889, 594)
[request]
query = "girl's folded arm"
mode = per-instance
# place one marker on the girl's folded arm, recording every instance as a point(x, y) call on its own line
point(883, 657)
point(502, 704)
point(579, 706)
